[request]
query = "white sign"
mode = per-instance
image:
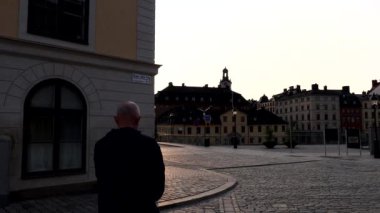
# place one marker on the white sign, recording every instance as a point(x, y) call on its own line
point(141, 79)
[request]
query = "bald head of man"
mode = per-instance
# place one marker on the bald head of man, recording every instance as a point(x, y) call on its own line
point(128, 115)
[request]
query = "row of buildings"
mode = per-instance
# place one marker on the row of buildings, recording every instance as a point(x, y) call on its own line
point(217, 115)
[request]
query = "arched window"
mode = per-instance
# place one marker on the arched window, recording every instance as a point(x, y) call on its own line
point(54, 130)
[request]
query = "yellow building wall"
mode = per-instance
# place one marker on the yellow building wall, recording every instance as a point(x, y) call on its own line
point(116, 28)
point(9, 16)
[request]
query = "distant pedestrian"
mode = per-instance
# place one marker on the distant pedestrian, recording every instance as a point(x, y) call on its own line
point(129, 166)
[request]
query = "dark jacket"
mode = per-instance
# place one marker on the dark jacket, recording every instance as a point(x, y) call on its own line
point(130, 172)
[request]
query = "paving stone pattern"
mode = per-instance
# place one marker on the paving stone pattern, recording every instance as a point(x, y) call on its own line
point(278, 180)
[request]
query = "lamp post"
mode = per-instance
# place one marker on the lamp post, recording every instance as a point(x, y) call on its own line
point(207, 121)
point(234, 140)
point(171, 117)
point(376, 151)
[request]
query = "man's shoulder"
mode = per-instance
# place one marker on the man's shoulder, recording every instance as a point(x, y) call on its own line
point(105, 139)
point(146, 137)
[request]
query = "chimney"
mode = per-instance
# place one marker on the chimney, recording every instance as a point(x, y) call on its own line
point(374, 83)
point(314, 87)
point(325, 88)
point(170, 84)
point(183, 84)
point(298, 88)
point(346, 89)
point(206, 86)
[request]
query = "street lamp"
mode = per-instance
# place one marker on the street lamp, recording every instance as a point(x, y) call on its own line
point(376, 151)
point(207, 121)
point(234, 140)
point(171, 117)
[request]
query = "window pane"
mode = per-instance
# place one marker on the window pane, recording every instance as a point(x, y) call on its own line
point(70, 156)
point(70, 152)
point(71, 128)
point(41, 128)
point(40, 157)
point(42, 18)
point(61, 19)
point(43, 98)
point(69, 99)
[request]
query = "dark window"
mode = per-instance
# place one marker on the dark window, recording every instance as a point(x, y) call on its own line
point(60, 19)
point(224, 118)
point(54, 130)
point(198, 130)
point(216, 130)
point(243, 129)
point(225, 129)
point(189, 130)
point(207, 130)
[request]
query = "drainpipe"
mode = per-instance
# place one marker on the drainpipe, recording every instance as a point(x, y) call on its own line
point(5, 153)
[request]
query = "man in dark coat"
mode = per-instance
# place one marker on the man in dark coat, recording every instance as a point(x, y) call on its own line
point(129, 166)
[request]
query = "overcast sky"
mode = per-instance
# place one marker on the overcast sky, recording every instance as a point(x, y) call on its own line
point(268, 45)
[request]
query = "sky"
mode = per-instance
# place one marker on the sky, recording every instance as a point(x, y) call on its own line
point(268, 45)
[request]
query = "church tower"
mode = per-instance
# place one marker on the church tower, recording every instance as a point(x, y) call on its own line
point(225, 82)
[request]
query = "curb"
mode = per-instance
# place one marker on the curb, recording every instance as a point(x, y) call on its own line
point(170, 144)
point(231, 183)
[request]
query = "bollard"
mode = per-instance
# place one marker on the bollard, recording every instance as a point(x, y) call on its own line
point(5, 153)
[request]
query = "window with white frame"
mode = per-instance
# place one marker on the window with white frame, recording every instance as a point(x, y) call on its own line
point(66, 20)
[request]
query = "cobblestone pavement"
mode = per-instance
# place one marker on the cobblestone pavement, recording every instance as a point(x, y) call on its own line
point(184, 183)
point(306, 179)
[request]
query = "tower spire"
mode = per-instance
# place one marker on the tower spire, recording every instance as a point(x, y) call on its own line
point(225, 82)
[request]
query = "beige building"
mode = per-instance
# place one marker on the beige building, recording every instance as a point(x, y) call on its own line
point(64, 68)
point(310, 112)
point(187, 125)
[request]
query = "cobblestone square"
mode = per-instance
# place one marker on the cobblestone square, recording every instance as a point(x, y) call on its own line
point(221, 179)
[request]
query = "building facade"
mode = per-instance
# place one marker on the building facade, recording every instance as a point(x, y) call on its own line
point(318, 112)
point(213, 115)
point(64, 68)
point(191, 126)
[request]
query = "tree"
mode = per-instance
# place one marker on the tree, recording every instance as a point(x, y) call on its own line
point(270, 141)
